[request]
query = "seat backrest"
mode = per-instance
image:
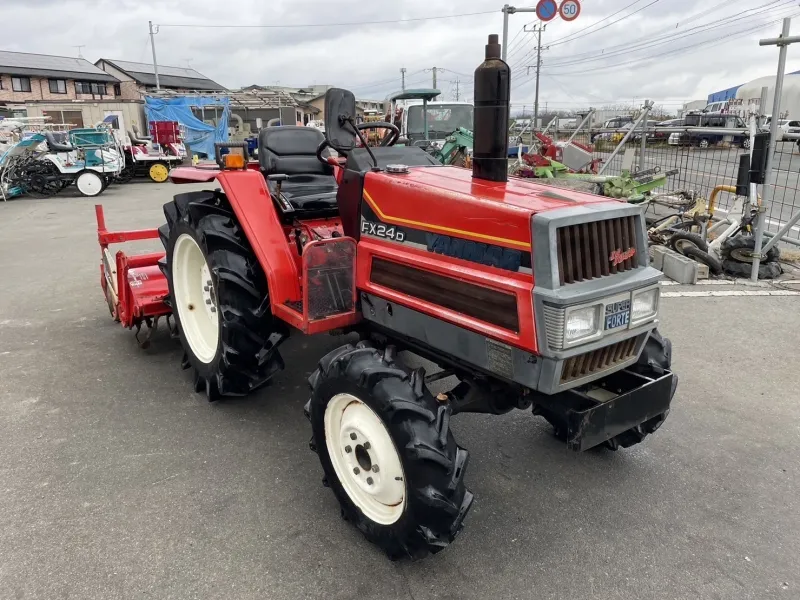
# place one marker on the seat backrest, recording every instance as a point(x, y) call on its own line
point(54, 145)
point(291, 150)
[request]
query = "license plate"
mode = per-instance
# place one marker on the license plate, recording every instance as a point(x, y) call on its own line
point(618, 314)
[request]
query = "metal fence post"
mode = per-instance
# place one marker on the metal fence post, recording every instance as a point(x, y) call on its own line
point(643, 142)
point(768, 188)
point(643, 117)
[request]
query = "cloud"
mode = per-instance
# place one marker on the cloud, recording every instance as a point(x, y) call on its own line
point(368, 58)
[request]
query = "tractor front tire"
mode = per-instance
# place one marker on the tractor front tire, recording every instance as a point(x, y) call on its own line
point(655, 360)
point(387, 451)
point(219, 297)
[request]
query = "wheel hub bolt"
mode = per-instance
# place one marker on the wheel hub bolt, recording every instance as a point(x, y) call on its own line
point(348, 449)
point(366, 445)
point(375, 468)
point(208, 300)
point(369, 480)
point(213, 310)
point(356, 470)
point(206, 288)
point(353, 436)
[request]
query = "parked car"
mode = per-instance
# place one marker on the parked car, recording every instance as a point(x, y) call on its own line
point(784, 126)
point(711, 120)
point(615, 123)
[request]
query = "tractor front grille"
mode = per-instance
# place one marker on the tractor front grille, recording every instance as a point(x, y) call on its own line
point(597, 361)
point(596, 249)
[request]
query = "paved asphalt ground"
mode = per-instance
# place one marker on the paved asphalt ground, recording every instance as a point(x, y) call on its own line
point(117, 481)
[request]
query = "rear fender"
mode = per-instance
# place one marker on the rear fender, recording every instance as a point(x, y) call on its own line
point(248, 195)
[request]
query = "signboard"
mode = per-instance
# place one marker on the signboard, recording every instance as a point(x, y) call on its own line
point(570, 9)
point(546, 9)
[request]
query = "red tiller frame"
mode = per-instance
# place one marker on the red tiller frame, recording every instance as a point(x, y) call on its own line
point(140, 285)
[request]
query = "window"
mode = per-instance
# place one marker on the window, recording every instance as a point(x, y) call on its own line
point(73, 117)
point(96, 89)
point(58, 86)
point(117, 90)
point(21, 84)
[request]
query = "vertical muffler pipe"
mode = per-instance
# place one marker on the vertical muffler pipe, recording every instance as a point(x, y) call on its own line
point(492, 95)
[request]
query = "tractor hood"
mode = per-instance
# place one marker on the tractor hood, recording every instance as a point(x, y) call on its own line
point(448, 200)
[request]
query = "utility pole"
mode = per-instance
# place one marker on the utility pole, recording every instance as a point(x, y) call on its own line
point(457, 82)
point(153, 46)
point(510, 10)
point(434, 77)
point(537, 29)
point(403, 75)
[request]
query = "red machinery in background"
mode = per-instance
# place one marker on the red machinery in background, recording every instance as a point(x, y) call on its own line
point(169, 136)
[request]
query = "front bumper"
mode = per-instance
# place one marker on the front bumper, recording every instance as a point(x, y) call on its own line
point(624, 400)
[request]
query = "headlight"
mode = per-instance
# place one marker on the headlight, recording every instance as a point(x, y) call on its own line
point(582, 323)
point(644, 306)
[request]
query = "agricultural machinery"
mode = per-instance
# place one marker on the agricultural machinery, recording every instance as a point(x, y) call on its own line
point(574, 161)
point(531, 297)
point(145, 157)
point(42, 165)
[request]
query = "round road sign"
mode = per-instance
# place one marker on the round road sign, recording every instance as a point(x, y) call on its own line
point(570, 9)
point(546, 9)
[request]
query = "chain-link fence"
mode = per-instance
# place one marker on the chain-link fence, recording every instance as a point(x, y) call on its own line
point(699, 159)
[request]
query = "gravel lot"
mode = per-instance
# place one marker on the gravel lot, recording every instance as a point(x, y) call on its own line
point(117, 481)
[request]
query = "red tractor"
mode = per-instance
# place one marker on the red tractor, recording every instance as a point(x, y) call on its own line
point(532, 297)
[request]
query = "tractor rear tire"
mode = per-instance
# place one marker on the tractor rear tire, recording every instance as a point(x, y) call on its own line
point(655, 360)
point(239, 351)
point(712, 262)
point(736, 247)
point(681, 240)
point(419, 506)
point(766, 270)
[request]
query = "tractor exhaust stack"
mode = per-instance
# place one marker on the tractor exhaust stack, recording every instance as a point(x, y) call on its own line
point(492, 96)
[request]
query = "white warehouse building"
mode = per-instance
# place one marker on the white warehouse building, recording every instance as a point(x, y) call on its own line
point(740, 99)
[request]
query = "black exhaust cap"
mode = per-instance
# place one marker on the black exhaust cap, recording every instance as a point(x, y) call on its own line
point(492, 97)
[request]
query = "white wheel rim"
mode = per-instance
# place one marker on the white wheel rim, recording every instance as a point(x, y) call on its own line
point(89, 184)
point(368, 466)
point(195, 298)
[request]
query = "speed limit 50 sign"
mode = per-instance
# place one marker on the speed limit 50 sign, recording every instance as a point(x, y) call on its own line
point(570, 9)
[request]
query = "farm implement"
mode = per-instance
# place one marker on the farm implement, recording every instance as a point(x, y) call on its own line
point(579, 165)
point(531, 297)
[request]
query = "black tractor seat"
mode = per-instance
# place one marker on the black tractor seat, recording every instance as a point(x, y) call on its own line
point(54, 145)
point(291, 150)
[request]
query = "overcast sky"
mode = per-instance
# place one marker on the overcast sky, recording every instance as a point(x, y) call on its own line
point(368, 58)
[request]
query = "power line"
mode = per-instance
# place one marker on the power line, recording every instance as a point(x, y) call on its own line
point(575, 34)
point(525, 80)
point(650, 41)
point(713, 42)
point(348, 24)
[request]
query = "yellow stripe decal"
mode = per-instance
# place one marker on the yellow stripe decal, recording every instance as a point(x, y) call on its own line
point(482, 236)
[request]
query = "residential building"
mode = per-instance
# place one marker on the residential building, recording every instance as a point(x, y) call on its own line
point(138, 79)
point(65, 89)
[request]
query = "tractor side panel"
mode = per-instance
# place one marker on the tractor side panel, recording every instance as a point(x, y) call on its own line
point(486, 300)
point(247, 192)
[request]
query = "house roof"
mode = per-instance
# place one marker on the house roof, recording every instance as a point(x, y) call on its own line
point(178, 77)
point(44, 65)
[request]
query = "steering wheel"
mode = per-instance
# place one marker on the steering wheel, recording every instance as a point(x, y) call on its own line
point(388, 141)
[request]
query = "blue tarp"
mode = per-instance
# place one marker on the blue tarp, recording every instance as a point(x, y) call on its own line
point(199, 136)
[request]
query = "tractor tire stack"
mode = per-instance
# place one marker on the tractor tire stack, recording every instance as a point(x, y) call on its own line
point(736, 259)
